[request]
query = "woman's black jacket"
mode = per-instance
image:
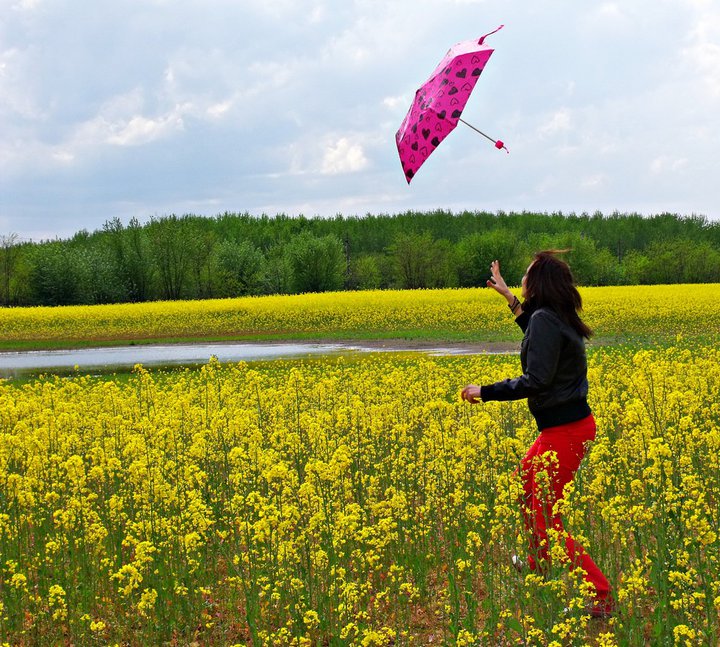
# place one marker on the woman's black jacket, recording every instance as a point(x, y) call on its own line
point(554, 365)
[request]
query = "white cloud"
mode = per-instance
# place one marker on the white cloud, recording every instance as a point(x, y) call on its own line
point(140, 130)
point(26, 5)
point(63, 156)
point(123, 121)
point(305, 11)
point(343, 156)
point(559, 121)
point(119, 122)
point(15, 88)
point(608, 20)
point(317, 14)
point(400, 101)
point(296, 102)
point(611, 11)
point(120, 106)
point(353, 46)
point(218, 110)
point(704, 56)
point(547, 185)
point(665, 164)
point(705, 5)
point(595, 181)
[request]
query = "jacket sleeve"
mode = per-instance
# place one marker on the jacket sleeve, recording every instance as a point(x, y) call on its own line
point(544, 344)
point(523, 319)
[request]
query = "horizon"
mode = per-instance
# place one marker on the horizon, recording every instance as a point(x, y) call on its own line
point(496, 214)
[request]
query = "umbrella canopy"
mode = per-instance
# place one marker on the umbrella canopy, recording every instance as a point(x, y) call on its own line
point(439, 102)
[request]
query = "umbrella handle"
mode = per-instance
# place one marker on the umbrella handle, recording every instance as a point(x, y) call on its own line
point(482, 38)
point(498, 144)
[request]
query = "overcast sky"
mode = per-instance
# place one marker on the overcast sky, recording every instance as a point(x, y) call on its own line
point(140, 108)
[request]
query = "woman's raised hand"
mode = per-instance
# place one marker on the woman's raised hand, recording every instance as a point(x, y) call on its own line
point(497, 282)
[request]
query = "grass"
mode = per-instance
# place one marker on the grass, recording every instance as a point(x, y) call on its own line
point(617, 314)
point(316, 477)
point(270, 490)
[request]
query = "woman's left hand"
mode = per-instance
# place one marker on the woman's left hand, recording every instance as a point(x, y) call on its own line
point(471, 394)
point(497, 282)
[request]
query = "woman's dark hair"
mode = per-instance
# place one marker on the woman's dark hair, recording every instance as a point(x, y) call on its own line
point(550, 284)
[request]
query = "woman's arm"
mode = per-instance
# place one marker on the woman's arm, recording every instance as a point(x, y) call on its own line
point(497, 283)
point(544, 345)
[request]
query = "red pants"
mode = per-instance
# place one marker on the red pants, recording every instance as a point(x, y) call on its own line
point(569, 444)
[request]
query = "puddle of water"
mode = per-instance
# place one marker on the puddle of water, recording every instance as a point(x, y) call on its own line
point(23, 362)
point(153, 355)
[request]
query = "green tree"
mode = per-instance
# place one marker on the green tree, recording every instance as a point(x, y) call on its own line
point(277, 273)
point(317, 263)
point(133, 258)
point(590, 265)
point(636, 268)
point(475, 252)
point(202, 241)
point(9, 255)
point(57, 274)
point(365, 273)
point(237, 268)
point(98, 274)
point(175, 257)
point(171, 253)
point(421, 261)
point(682, 261)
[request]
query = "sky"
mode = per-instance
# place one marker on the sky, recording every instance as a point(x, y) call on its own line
point(146, 108)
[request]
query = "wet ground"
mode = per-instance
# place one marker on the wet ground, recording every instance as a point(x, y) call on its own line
point(123, 357)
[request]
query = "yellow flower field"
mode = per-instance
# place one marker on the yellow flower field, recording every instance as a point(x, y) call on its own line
point(354, 501)
point(466, 314)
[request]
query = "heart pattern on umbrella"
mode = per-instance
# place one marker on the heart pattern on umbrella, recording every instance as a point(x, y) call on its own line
point(439, 103)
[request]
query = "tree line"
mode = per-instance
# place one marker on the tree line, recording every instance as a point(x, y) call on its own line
point(194, 257)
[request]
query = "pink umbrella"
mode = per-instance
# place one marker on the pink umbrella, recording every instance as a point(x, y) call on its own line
point(439, 102)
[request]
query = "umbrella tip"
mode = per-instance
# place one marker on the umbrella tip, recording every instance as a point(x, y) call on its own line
point(482, 38)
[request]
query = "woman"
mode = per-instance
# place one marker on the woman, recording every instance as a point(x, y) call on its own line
point(554, 381)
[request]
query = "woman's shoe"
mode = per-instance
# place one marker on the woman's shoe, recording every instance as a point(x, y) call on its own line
point(518, 563)
point(601, 608)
